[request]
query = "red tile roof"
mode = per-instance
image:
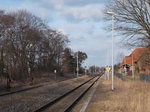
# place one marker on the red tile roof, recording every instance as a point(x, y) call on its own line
point(127, 60)
point(135, 55)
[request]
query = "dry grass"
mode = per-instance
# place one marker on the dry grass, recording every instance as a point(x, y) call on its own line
point(129, 96)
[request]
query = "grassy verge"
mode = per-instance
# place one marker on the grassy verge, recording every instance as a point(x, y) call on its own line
point(129, 96)
point(132, 78)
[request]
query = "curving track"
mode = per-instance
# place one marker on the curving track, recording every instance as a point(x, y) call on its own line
point(66, 102)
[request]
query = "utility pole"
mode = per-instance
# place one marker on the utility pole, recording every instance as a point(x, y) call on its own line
point(108, 71)
point(112, 51)
point(55, 72)
point(77, 64)
point(85, 70)
point(95, 69)
point(112, 14)
point(132, 66)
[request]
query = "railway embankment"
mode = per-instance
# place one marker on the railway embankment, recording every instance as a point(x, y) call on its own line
point(29, 101)
point(128, 96)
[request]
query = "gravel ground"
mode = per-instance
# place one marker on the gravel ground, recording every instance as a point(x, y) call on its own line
point(63, 104)
point(83, 104)
point(47, 78)
point(31, 100)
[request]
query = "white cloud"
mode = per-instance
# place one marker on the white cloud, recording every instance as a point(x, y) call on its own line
point(72, 9)
point(92, 46)
point(91, 56)
point(69, 27)
point(88, 12)
point(81, 2)
point(84, 28)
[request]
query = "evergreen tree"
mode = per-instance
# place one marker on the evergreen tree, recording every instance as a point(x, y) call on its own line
point(68, 61)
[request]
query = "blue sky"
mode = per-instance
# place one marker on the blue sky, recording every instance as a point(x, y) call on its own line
point(81, 20)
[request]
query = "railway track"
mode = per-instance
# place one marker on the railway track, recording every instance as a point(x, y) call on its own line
point(66, 102)
point(22, 90)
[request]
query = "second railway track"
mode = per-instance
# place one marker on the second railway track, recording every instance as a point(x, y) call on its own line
point(24, 90)
point(66, 102)
point(21, 90)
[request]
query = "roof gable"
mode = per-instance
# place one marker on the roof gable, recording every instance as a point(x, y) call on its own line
point(135, 56)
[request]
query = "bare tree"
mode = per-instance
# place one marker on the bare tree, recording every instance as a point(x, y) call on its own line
point(27, 44)
point(53, 45)
point(120, 57)
point(5, 23)
point(144, 61)
point(132, 20)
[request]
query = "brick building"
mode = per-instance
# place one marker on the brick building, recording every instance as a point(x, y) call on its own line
point(138, 62)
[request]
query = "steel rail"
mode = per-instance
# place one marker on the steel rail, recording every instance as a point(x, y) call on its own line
point(61, 97)
point(79, 98)
point(18, 91)
point(21, 90)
